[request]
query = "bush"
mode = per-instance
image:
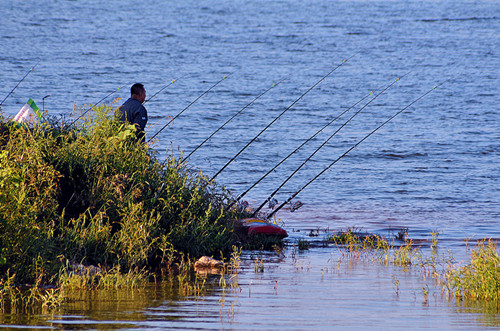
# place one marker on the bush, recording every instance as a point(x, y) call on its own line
point(91, 194)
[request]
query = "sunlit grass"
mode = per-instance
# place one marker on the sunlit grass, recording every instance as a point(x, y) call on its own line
point(90, 194)
point(479, 280)
point(354, 243)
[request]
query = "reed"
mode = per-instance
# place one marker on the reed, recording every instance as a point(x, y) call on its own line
point(479, 280)
point(258, 265)
point(83, 278)
point(27, 298)
point(405, 254)
point(354, 240)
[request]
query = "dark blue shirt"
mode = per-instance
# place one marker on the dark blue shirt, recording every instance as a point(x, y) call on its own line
point(134, 112)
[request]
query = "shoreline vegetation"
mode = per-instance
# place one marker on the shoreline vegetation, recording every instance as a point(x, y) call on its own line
point(87, 207)
point(91, 195)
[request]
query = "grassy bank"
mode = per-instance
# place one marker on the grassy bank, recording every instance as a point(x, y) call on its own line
point(91, 195)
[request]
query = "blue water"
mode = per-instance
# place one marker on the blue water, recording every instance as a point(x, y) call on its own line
point(433, 168)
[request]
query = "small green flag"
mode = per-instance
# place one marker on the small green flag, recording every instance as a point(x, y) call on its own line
point(30, 113)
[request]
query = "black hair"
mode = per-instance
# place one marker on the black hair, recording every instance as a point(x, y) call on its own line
point(137, 89)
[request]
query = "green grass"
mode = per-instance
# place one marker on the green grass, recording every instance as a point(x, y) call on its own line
point(353, 239)
point(91, 195)
point(479, 280)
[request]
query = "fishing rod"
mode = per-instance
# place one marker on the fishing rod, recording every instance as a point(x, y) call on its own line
point(182, 111)
point(32, 68)
point(296, 150)
point(229, 120)
point(278, 117)
point(323, 144)
point(353, 147)
point(119, 88)
point(163, 88)
point(98, 102)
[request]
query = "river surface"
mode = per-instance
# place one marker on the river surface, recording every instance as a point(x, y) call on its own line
point(434, 167)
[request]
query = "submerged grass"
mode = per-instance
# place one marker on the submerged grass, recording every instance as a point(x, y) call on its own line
point(90, 194)
point(402, 251)
point(479, 280)
point(353, 239)
point(82, 278)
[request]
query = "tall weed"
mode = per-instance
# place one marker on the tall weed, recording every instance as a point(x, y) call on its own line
point(479, 280)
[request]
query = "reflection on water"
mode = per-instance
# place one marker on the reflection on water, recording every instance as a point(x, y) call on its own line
point(486, 313)
point(289, 289)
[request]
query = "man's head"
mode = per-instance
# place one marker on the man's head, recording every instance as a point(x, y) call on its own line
point(137, 91)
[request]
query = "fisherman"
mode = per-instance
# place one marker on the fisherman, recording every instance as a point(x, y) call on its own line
point(133, 112)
